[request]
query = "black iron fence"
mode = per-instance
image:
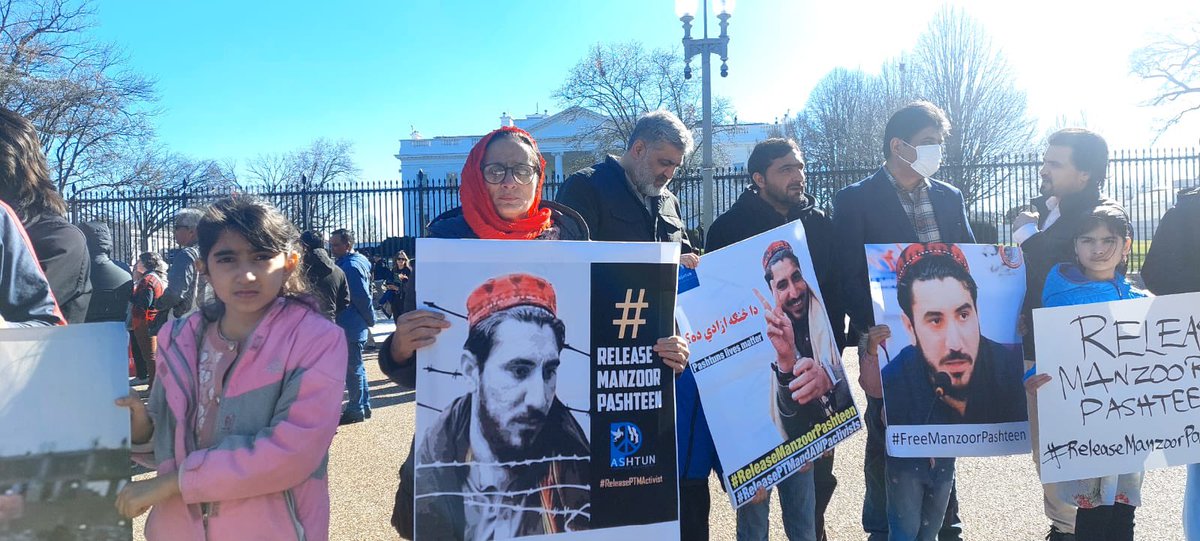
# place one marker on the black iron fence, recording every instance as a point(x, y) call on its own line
point(1145, 181)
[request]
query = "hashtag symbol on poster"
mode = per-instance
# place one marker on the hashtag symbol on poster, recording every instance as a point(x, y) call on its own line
point(625, 307)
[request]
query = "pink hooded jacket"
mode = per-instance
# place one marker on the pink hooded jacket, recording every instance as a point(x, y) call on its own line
point(266, 478)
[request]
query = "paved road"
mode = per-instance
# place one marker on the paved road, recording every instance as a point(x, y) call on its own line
point(1000, 497)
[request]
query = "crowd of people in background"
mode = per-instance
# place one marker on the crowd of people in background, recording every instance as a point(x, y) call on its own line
point(243, 281)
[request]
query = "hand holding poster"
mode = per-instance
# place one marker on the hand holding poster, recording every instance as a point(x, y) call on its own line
point(1124, 394)
point(544, 408)
point(765, 360)
point(952, 367)
point(64, 446)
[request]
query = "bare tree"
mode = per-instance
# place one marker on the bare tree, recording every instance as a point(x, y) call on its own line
point(303, 181)
point(151, 184)
point(620, 81)
point(839, 124)
point(1172, 62)
point(959, 70)
point(86, 106)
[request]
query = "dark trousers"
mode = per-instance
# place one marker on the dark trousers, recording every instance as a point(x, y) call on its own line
point(1105, 523)
point(693, 509)
point(824, 482)
point(145, 348)
point(874, 515)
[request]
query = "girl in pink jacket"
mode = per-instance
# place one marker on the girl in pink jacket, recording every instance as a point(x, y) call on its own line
point(247, 397)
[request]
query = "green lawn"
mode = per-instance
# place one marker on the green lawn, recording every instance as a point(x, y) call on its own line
point(1137, 254)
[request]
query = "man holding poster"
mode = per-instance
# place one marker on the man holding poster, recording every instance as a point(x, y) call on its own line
point(900, 202)
point(768, 372)
point(777, 195)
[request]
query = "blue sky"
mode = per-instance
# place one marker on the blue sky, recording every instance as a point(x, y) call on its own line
point(237, 79)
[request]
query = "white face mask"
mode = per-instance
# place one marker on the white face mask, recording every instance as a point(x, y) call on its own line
point(929, 159)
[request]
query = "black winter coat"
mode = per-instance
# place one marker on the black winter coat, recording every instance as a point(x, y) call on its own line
point(1173, 263)
point(328, 282)
point(111, 285)
point(62, 251)
point(601, 195)
point(750, 215)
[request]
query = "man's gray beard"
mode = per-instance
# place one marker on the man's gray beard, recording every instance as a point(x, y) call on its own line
point(649, 189)
point(644, 183)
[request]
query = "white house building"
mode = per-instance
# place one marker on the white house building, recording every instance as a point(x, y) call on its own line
point(437, 162)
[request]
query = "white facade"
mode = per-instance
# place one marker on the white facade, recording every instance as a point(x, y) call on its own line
point(441, 158)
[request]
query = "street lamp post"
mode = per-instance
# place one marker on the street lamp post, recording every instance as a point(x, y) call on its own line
point(686, 10)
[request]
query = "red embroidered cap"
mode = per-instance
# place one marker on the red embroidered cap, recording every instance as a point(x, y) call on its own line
point(504, 292)
point(918, 251)
point(774, 248)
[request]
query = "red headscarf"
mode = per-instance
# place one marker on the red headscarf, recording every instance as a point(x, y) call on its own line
point(477, 204)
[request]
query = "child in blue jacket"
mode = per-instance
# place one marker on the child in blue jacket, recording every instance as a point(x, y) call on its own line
point(1102, 244)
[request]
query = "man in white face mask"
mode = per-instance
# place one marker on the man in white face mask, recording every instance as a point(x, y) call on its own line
point(899, 203)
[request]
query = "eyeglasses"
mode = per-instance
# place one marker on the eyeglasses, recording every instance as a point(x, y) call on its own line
point(522, 173)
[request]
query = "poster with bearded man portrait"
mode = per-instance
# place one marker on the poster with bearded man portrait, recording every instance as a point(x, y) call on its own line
point(952, 366)
point(544, 408)
point(765, 359)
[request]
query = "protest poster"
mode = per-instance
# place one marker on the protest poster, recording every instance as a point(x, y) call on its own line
point(1124, 394)
point(952, 368)
point(542, 408)
point(755, 321)
point(64, 446)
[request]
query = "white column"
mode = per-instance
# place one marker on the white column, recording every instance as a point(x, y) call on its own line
point(558, 164)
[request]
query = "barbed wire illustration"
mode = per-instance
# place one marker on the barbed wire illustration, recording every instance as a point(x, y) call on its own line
point(457, 374)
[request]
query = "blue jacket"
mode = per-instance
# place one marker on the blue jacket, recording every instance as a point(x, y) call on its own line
point(1066, 285)
point(869, 212)
point(25, 297)
point(359, 316)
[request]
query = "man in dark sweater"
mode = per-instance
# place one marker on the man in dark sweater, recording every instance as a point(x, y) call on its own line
point(900, 203)
point(775, 197)
point(626, 199)
point(1072, 174)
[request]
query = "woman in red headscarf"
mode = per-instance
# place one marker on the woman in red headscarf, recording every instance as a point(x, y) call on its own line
point(501, 195)
point(501, 199)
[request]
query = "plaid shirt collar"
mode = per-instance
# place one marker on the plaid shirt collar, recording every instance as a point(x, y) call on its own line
point(925, 184)
point(918, 207)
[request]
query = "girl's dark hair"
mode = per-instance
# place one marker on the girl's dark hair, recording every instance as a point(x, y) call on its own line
point(152, 261)
point(264, 228)
point(24, 177)
point(1114, 219)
